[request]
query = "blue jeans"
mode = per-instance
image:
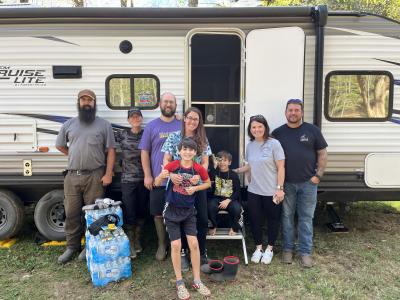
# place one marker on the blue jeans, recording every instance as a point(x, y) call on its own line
point(300, 198)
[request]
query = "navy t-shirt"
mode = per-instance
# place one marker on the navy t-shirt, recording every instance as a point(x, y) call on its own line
point(300, 145)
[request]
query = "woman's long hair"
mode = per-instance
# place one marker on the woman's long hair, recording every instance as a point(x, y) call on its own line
point(200, 133)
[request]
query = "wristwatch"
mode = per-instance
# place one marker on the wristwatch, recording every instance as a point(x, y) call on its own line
point(279, 187)
point(319, 177)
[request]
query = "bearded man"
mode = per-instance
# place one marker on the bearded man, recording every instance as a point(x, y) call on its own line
point(89, 143)
point(153, 138)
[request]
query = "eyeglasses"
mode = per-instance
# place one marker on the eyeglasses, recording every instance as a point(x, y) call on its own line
point(257, 117)
point(295, 101)
point(192, 119)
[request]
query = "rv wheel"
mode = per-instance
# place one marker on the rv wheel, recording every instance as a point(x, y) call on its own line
point(11, 214)
point(50, 215)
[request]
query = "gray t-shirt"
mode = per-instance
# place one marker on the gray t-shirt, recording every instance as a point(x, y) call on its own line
point(87, 144)
point(261, 157)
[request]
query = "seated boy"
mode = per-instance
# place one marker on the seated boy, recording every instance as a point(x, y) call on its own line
point(179, 211)
point(226, 193)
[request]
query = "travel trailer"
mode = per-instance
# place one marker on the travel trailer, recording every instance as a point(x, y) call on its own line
point(231, 63)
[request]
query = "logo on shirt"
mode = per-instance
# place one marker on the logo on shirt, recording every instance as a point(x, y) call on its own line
point(181, 188)
point(304, 138)
point(164, 135)
point(223, 187)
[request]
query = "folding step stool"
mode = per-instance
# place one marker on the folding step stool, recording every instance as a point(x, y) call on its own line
point(223, 234)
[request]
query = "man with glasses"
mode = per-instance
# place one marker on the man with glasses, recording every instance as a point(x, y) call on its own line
point(306, 158)
point(153, 138)
point(89, 143)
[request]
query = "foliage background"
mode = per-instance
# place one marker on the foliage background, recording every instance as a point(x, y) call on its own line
point(387, 8)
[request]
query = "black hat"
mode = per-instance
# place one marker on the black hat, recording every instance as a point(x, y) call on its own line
point(133, 111)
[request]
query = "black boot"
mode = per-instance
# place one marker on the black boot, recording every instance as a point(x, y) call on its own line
point(231, 265)
point(138, 235)
point(66, 256)
point(185, 264)
point(130, 233)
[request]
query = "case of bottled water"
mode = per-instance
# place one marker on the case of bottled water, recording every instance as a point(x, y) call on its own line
point(95, 214)
point(107, 253)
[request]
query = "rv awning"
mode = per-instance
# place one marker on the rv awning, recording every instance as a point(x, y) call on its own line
point(152, 15)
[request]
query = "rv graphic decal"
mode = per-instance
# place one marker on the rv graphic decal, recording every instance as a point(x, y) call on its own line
point(388, 61)
point(58, 119)
point(54, 39)
point(23, 76)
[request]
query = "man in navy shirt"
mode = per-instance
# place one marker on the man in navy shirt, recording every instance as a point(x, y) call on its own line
point(306, 157)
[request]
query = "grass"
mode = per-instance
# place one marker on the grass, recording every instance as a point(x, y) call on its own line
point(362, 264)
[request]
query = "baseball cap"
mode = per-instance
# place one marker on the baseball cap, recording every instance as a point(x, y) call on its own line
point(88, 93)
point(133, 111)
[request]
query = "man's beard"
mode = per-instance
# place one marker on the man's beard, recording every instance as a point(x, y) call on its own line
point(167, 114)
point(293, 122)
point(87, 114)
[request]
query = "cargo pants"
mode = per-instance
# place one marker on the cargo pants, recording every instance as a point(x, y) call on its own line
point(80, 189)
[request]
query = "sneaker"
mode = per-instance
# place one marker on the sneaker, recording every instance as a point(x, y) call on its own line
point(287, 257)
point(306, 261)
point(202, 289)
point(267, 257)
point(185, 264)
point(257, 255)
point(182, 292)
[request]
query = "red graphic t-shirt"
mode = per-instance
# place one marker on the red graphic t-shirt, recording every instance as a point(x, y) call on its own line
point(176, 193)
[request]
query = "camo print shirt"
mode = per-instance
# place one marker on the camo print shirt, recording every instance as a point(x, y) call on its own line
point(132, 170)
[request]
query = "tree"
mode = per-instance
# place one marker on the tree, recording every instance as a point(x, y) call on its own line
point(375, 108)
point(126, 3)
point(193, 3)
point(79, 3)
point(388, 8)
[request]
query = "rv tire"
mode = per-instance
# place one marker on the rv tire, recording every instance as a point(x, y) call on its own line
point(50, 215)
point(11, 214)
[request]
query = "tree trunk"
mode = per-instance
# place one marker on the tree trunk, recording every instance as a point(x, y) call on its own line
point(193, 3)
point(78, 3)
point(362, 83)
point(381, 92)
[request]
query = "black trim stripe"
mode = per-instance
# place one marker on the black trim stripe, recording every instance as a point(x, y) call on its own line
point(49, 131)
point(388, 61)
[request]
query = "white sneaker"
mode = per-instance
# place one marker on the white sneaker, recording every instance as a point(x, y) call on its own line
point(256, 257)
point(267, 257)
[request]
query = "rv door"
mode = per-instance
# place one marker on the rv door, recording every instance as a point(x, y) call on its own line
point(274, 72)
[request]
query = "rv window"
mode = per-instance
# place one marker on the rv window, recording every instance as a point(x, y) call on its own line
point(125, 91)
point(120, 92)
point(145, 92)
point(358, 96)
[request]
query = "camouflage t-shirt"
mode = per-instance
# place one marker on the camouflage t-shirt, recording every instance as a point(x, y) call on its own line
point(132, 170)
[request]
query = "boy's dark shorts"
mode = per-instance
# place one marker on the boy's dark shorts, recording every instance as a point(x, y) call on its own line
point(157, 200)
point(177, 217)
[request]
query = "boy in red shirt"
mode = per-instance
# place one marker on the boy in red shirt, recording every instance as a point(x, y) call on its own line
point(179, 211)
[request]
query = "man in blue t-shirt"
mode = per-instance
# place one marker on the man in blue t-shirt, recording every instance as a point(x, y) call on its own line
point(153, 138)
point(306, 157)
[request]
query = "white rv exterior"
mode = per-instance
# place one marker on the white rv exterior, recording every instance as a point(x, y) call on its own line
point(272, 54)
